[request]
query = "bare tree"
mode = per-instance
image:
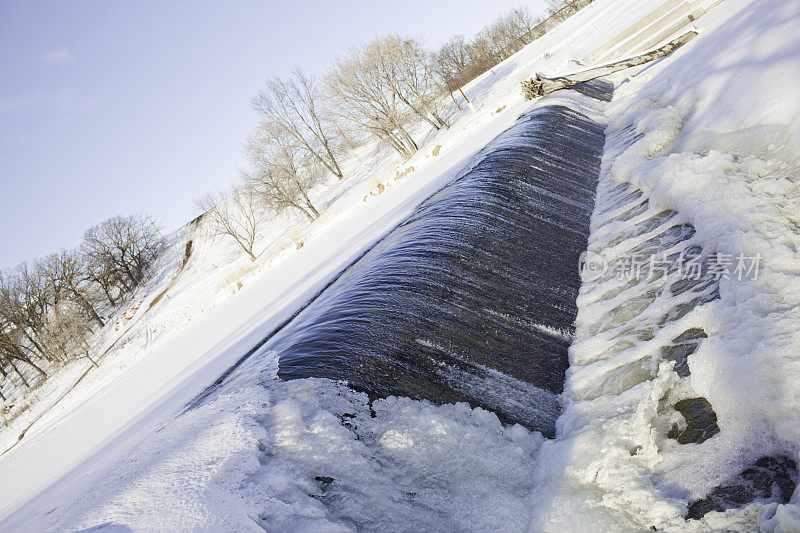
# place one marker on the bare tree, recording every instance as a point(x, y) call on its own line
point(295, 106)
point(237, 215)
point(398, 60)
point(569, 6)
point(512, 31)
point(101, 274)
point(68, 328)
point(25, 299)
point(365, 98)
point(523, 23)
point(68, 276)
point(280, 174)
point(12, 349)
point(46, 306)
point(507, 34)
point(459, 60)
point(124, 244)
point(451, 61)
point(16, 342)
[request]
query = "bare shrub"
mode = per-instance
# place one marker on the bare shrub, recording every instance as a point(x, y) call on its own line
point(237, 215)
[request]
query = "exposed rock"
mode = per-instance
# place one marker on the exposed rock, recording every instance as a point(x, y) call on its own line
point(770, 479)
point(681, 348)
point(323, 481)
point(701, 421)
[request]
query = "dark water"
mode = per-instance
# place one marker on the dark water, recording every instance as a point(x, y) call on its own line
point(472, 298)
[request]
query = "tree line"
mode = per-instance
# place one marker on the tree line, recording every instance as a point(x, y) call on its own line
point(49, 307)
point(386, 90)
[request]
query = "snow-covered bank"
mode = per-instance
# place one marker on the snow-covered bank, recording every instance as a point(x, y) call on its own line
point(711, 135)
point(133, 439)
point(208, 320)
point(310, 454)
point(313, 455)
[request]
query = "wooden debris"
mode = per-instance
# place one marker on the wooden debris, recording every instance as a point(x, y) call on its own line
point(541, 85)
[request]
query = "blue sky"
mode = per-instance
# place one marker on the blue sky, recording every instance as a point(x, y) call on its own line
point(112, 108)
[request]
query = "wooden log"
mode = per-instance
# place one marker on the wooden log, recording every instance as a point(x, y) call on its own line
point(540, 85)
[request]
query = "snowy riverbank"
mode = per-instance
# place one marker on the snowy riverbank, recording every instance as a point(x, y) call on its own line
point(710, 134)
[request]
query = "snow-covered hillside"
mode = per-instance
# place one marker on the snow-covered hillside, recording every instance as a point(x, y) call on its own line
point(709, 135)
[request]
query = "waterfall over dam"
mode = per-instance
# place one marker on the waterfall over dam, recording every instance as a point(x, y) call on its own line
point(472, 297)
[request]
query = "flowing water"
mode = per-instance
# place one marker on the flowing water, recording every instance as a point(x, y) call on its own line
point(651, 306)
point(472, 298)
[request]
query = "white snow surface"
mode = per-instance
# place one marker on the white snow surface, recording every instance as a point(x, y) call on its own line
point(716, 140)
point(309, 455)
point(712, 132)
